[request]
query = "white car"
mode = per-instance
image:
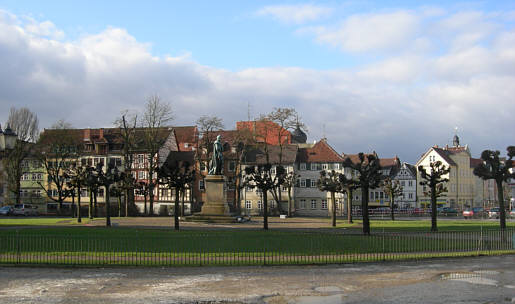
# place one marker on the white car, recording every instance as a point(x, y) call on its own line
point(25, 209)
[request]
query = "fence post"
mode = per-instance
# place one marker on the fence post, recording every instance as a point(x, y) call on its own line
point(18, 249)
point(264, 250)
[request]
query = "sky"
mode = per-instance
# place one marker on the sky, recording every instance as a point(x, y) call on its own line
point(395, 77)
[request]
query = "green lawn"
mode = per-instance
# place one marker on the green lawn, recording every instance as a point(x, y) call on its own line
point(40, 221)
point(425, 225)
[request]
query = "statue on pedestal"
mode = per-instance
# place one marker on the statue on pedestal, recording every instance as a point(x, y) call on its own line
point(216, 163)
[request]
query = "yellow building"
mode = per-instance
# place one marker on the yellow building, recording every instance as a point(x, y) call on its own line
point(464, 189)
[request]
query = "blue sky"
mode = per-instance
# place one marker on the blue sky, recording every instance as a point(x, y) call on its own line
point(391, 76)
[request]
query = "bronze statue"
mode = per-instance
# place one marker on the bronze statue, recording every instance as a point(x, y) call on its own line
point(217, 159)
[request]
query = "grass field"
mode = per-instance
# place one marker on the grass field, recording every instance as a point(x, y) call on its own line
point(61, 241)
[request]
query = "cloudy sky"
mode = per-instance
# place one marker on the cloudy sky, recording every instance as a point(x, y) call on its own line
point(392, 76)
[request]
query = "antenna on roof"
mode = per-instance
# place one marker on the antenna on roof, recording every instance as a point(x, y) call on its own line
point(323, 131)
point(248, 110)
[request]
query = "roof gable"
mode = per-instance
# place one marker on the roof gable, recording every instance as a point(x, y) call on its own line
point(319, 153)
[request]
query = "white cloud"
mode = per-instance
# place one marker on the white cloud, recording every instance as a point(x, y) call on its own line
point(401, 104)
point(370, 32)
point(296, 14)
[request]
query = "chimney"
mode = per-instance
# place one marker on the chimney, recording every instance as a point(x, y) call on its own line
point(87, 134)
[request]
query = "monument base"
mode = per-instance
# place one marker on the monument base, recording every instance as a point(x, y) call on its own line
point(215, 209)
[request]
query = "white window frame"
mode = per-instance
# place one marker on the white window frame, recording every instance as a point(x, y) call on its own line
point(313, 204)
point(302, 166)
point(248, 205)
point(302, 204)
point(303, 183)
point(260, 205)
point(313, 183)
point(324, 204)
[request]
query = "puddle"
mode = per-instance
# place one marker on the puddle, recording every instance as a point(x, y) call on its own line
point(476, 277)
point(328, 289)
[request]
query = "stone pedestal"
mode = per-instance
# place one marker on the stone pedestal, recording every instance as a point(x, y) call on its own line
point(216, 203)
point(215, 208)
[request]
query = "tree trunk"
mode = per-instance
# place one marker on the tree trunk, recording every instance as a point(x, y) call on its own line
point(502, 210)
point(90, 209)
point(349, 206)
point(120, 204)
point(392, 206)
point(176, 210)
point(289, 202)
point(108, 207)
point(151, 199)
point(79, 215)
point(265, 210)
point(333, 213)
point(434, 227)
point(183, 194)
point(95, 204)
point(364, 210)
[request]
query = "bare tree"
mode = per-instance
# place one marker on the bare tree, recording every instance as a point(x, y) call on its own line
point(348, 185)
point(24, 124)
point(57, 150)
point(177, 174)
point(435, 180)
point(127, 124)
point(290, 181)
point(157, 115)
point(261, 177)
point(206, 125)
point(330, 181)
point(494, 168)
point(369, 177)
point(393, 189)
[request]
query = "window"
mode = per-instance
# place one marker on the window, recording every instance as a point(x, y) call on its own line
point(302, 183)
point(272, 170)
point(308, 182)
point(313, 183)
point(324, 204)
point(141, 174)
point(302, 204)
point(248, 205)
point(410, 195)
point(381, 195)
point(403, 183)
point(140, 159)
point(164, 192)
point(410, 183)
point(336, 166)
point(232, 166)
point(284, 188)
point(302, 166)
point(272, 204)
point(325, 167)
point(201, 185)
point(313, 204)
point(260, 205)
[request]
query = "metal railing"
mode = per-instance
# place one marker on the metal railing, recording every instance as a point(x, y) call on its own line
point(282, 248)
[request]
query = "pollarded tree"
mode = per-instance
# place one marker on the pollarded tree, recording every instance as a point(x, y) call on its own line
point(107, 179)
point(330, 181)
point(393, 189)
point(77, 177)
point(493, 167)
point(435, 180)
point(261, 177)
point(348, 185)
point(179, 175)
point(369, 177)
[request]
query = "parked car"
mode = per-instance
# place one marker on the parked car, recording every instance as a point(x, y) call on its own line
point(25, 209)
point(448, 211)
point(6, 210)
point(494, 213)
point(512, 213)
point(468, 213)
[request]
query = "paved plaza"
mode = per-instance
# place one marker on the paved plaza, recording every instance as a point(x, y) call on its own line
point(466, 280)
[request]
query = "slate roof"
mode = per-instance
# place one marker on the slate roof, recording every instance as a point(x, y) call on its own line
point(257, 156)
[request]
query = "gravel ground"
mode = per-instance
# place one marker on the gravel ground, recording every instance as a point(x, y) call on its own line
point(465, 280)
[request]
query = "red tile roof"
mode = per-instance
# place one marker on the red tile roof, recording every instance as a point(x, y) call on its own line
point(321, 152)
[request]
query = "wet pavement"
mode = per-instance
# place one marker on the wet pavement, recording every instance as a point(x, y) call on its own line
point(463, 280)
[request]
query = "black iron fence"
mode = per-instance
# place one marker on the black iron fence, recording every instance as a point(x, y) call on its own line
point(278, 248)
